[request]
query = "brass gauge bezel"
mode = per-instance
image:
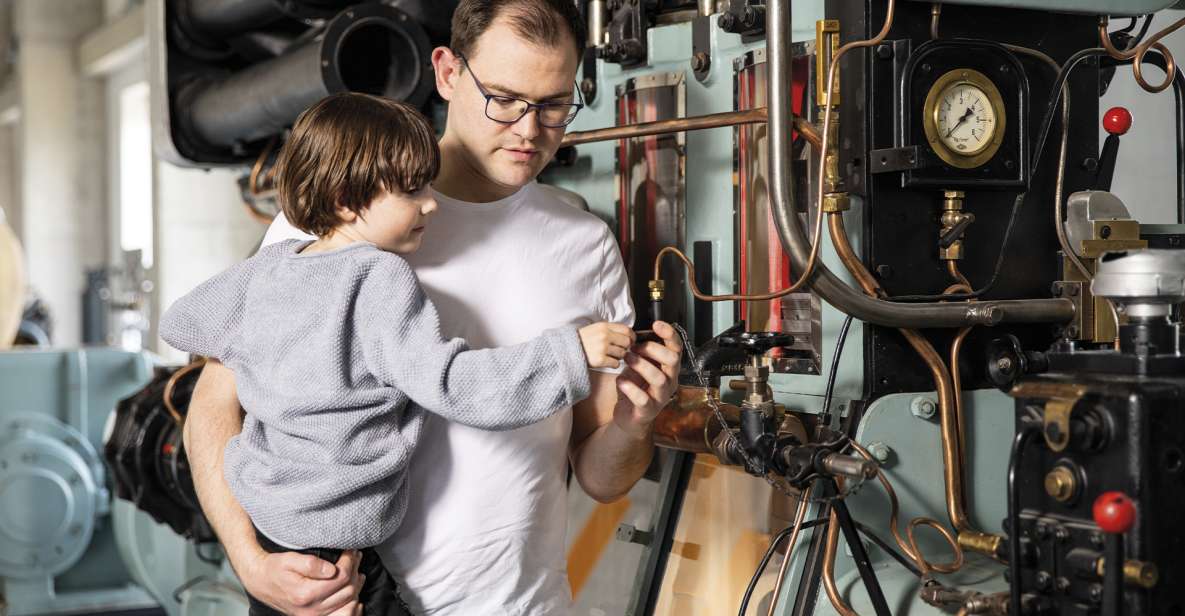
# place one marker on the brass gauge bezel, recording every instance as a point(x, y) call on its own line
point(930, 118)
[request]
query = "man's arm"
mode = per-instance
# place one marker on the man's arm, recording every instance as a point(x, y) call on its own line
point(612, 441)
point(293, 583)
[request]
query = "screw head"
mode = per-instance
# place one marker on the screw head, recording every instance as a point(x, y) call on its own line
point(1004, 364)
point(884, 52)
point(880, 451)
point(923, 407)
point(1043, 580)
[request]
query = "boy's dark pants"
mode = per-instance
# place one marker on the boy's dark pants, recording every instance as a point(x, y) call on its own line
point(378, 596)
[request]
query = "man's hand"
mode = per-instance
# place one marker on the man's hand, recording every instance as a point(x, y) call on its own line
point(649, 381)
point(304, 585)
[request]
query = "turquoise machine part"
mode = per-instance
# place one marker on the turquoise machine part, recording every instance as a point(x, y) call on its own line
point(65, 547)
point(890, 425)
point(1101, 7)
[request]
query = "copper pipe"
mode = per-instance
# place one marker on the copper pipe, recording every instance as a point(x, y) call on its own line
point(951, 455)
point(803, 503)
point(1137, 54)
point(679, 125)
point(688, 423)
point(841, 607)
point(954, 565)
point(732, 297)
point(935, 15)
point(172, 383)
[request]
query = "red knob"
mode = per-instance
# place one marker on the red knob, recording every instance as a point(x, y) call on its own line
point(1114, 512)
point(1117, 120)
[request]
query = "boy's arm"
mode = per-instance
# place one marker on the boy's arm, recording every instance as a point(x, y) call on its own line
point(293, 583)
point(493, 389)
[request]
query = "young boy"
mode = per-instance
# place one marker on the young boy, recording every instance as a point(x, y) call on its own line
point(337, 352)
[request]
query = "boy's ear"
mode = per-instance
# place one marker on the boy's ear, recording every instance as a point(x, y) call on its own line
point(448, 68)
point(344, 213)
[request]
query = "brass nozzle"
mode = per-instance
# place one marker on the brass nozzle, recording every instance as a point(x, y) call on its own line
point(657, 290)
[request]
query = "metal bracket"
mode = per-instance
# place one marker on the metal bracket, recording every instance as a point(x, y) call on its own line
point(906, 158)
point(1060, 400)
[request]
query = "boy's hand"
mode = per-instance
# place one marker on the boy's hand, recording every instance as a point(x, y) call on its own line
point(605, 343)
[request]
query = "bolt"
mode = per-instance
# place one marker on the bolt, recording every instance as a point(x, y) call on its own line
point(1062, 584)
point(727, 21)
point(1096, 593)
point(700, 62)
point(1096, 539)
point(1043, 580)
point(880, 451)
point(1056, 289)
point(1090, 164)
point(926, 68)
point(1105, 231)
point(1004, 364)
point(884, 52)
point(1042, 531)
point(1062, 534)
point(922, 407)
point(587, 86)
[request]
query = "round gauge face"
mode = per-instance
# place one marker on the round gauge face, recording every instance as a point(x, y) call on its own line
point(965, 118)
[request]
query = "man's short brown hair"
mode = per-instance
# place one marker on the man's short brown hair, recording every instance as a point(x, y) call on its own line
point(346, 150)
point(543, 22)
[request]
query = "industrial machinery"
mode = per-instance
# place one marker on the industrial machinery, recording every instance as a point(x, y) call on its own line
point(926, 324)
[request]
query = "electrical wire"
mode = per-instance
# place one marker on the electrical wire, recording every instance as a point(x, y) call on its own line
point(773, 545)
point(831, 375)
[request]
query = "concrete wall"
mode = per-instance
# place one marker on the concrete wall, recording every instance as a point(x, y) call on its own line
point(202, 229)
point(60, 147)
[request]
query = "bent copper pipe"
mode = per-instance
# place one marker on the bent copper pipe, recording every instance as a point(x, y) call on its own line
point(678, 125)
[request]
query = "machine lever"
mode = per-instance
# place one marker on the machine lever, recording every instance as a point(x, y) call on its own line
point(1117, 121)
point(1115, 514)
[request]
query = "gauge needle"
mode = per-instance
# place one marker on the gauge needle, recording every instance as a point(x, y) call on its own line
point(966, 114)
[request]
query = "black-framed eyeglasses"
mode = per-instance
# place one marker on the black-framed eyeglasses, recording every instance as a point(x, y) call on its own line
point(508, 109)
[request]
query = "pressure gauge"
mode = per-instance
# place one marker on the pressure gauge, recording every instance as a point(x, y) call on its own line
point(964, 118)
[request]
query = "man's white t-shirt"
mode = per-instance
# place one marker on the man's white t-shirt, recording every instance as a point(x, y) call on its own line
point(487, 511)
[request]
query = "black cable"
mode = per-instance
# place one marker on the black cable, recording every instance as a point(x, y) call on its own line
point(1139, 37)
point(884, 545)
point(839, 344)
point(1128, 28)
point(1018, 445)
point(1042, 135)
point(773, 545)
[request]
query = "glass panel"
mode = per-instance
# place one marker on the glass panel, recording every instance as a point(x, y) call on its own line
point(650, 191)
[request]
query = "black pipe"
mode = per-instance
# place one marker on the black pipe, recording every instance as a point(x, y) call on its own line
point(879, 604)
point(369, 48)
point(1018, 445)
point(225, 18)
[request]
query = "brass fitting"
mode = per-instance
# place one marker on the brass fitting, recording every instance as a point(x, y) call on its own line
point(657, 290)
point(832, 182)
point(836, 202)
point(981, 543)
point(952, 214)
point(1061, 484)
point(1135, 572)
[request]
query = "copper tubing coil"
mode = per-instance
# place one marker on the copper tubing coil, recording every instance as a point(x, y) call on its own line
point(908, 546)
point(678, 125)
point(732, 297)
point(1138, 53)
point(803, 504)
point(172, 383)
point(951, 453)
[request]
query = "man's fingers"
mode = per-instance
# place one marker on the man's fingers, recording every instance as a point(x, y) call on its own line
point(306, 565)
point(669, 336)
point(648, 371)
point(633, 392)
point(349, 561)
point(341, 600)
point(658, 353)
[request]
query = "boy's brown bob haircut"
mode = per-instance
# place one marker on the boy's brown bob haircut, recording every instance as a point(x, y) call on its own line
point(345, 150)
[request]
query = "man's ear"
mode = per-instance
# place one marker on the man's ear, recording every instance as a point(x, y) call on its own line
point(448, 68)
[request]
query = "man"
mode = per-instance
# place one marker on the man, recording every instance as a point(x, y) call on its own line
point(484, 530)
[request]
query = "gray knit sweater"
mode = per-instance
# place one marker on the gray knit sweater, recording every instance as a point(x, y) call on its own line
point(336, 357)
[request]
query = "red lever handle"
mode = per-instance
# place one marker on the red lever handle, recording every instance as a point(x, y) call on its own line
point(1114, 512)
point(1117, 120)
